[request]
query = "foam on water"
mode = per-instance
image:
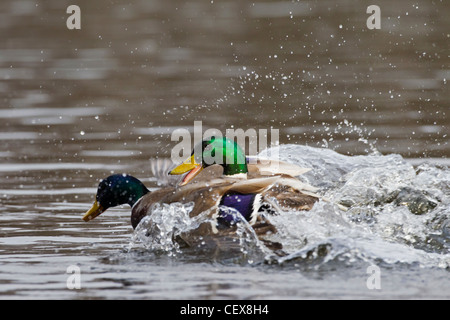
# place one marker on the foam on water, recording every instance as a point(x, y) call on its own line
point(395, 212)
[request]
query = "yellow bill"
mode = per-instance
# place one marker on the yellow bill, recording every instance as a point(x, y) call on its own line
point(188, 165)
point(93, 212)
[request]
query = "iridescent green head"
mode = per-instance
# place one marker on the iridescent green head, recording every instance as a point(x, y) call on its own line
point(116, 190)
point(220, 150)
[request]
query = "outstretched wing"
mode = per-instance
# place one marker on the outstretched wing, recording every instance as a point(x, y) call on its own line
point(160, 169)
point(267, 167)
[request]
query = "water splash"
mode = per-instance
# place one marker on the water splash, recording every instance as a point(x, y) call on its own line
point(379, 209)
point(164, 230)
point(158, 230)
point(395, 213)
point(250, 246)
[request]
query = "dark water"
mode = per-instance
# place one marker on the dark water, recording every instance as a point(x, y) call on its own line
point(77, 105)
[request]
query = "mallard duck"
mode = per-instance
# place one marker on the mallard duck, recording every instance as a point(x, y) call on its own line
point(224, 157)
point(207, 197)
point(248, 199)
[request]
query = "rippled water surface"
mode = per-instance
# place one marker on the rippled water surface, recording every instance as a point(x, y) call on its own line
point(367, 110)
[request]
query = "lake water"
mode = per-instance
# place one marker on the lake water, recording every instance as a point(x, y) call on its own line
point(367, 110)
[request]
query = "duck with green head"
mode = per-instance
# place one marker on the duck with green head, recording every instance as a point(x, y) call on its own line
point(211, 151)
point(235, 164)
point(250, 198)
point(289, 191)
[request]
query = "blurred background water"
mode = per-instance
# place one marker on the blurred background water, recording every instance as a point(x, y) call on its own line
point(76, 105)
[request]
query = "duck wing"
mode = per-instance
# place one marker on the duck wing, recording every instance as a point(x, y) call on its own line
point(267, 167)
point(160, 168)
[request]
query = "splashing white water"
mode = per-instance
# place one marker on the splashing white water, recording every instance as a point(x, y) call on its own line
point(157, 231)
point(395, 214)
